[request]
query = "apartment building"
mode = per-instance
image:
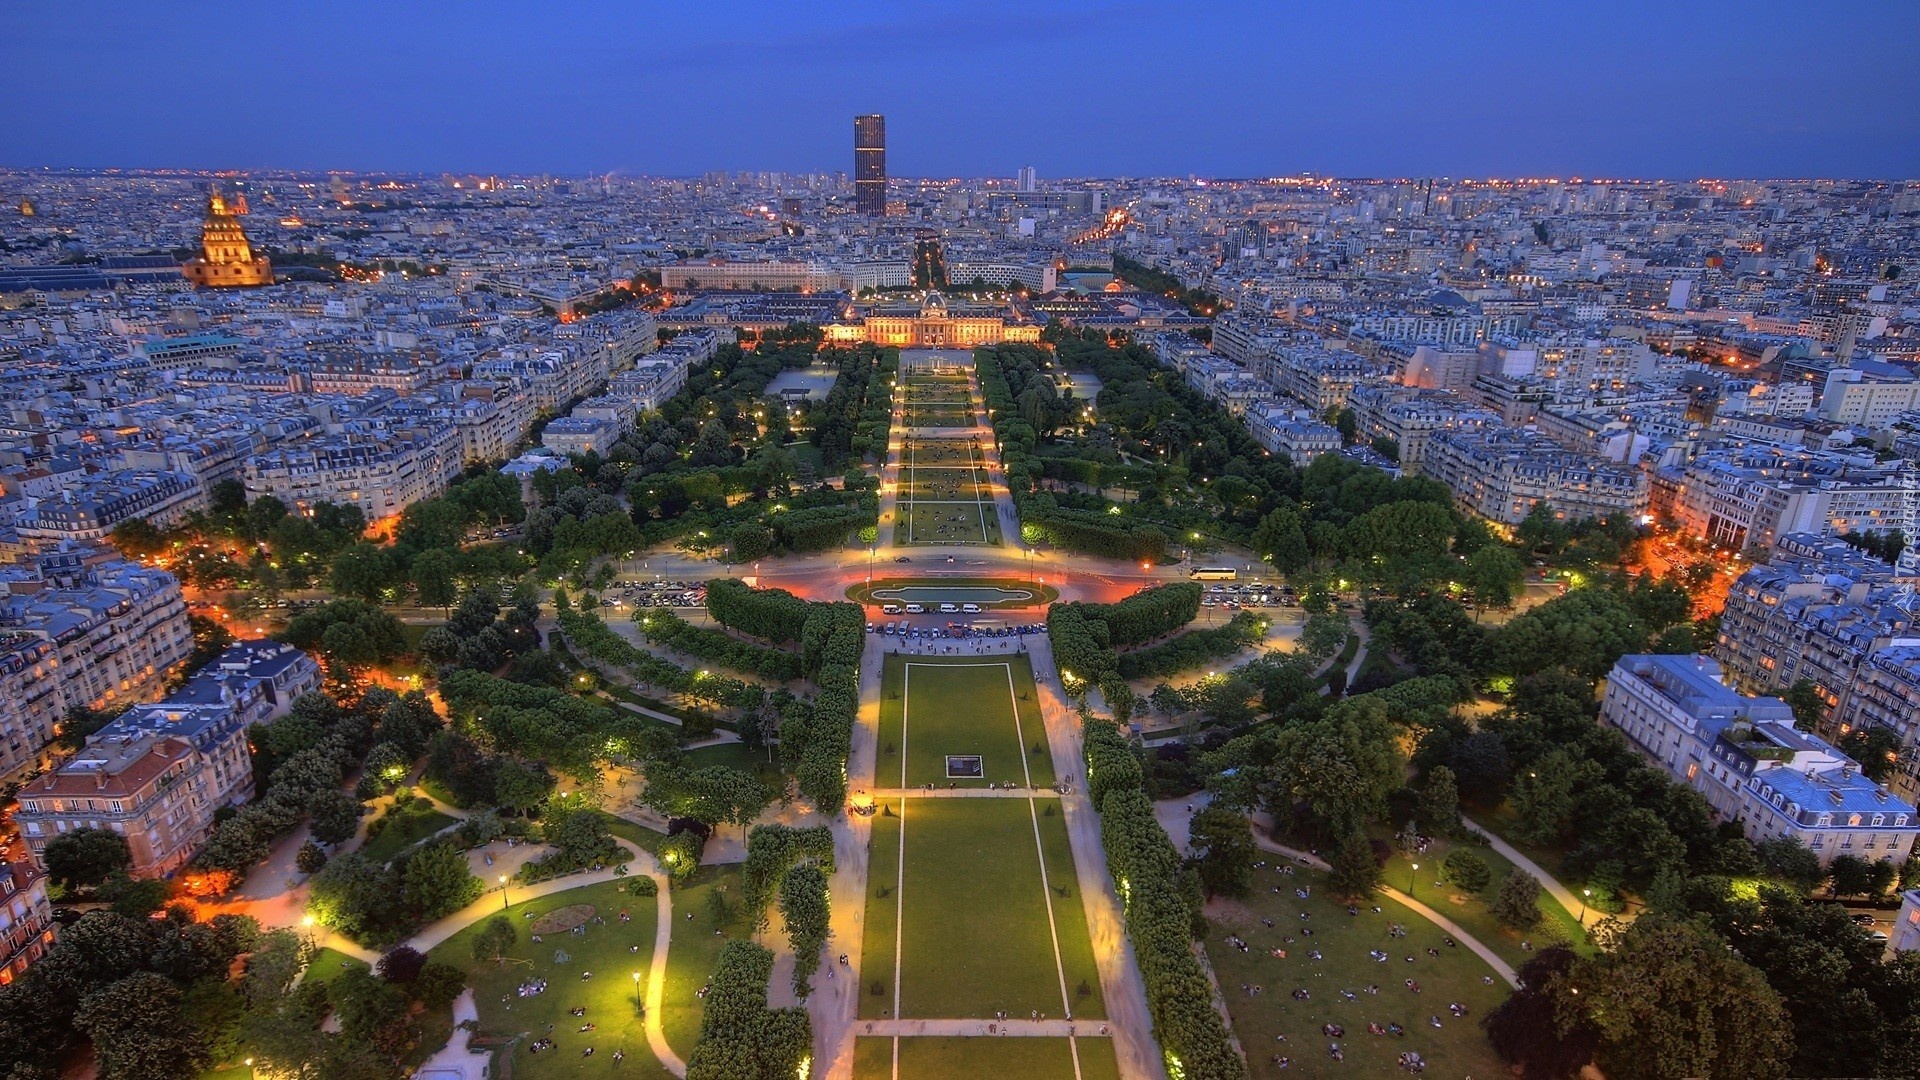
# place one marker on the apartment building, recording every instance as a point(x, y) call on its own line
point(80, 627)
point(1501, 474)
point(1886, 694)
point(381, 469)
point(1409, 417)
point(89, 509)
point(1291, 434)
point(1754, 768)
point(158, 773)
point(27, 929)
point(1817, 621)
point(1755, 494)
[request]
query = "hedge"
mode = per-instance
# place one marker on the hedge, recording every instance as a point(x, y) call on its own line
point(1194, 648)
point(666, 628)
point(773, 615)
point(591, 636)
point(1161, 911)
point(1084, 636)
point(740, 1038)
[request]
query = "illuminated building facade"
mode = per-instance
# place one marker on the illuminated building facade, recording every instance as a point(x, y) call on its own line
point(870, 165)
point(226, 257)
point(932, 324)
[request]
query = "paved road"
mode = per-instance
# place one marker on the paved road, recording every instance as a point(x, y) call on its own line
point(1042, 1029)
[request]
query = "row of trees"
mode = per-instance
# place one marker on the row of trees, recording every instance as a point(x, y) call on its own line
point(1162, 899)
point(586, 632)
point(814, 740)
point(740, 1037)
point(1084, 636)
point(854, 419)
point(667, 629)
point(1194, 648)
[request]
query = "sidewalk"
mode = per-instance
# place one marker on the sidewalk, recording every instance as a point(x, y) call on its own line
point(1547, 881)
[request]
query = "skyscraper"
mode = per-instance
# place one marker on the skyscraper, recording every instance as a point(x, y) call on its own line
point(870, 165)
point(1029, 180)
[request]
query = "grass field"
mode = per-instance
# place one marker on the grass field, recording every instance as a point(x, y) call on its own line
point(404, 829)
point(612, 952)
point(939, 523)
point(696, 947)
point(937, 484)
point(962, 705)
point(970, 1059)
point(1471, 910)
point(1456, 1048)
point(991, 593)
point(327, 964)
point(973, 932)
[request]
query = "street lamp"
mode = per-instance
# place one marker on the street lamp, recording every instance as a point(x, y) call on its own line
point(503, 892)
point(1585, 895)
point(250, 1071)
point(639, 1004)
point(1412, 879)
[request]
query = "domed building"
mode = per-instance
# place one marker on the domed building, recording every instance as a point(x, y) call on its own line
point(226, 258)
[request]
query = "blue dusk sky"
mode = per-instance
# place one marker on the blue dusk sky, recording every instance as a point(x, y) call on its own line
point(1763, 88)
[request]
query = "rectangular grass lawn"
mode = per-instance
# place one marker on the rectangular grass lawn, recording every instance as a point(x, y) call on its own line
point(944, 483)
point(1009, 1058)
point(974, 928)
point(613, 951)
point(1455, 1048)
point(950, 523)
point(983, 706)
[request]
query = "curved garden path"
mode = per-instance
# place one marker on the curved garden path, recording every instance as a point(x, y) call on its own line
point(1583, 912)
point(1499, 966)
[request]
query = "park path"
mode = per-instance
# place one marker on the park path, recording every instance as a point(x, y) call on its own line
point(484, 907)
point(834, 1005)
point(1499, 966)
point(1120, 983)
point(1563, 895)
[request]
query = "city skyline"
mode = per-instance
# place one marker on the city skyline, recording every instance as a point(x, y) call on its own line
point(1092, 87)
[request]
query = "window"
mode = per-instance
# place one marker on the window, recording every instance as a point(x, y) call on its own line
point(1879, 820)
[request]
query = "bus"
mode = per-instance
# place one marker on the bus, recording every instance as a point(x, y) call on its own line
point(1214, 573)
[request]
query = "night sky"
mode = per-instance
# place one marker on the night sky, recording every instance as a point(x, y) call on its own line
point(1762, 88)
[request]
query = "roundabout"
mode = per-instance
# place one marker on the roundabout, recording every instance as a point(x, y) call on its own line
point(992, 594)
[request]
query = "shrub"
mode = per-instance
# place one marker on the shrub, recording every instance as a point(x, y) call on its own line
point(1467, 870)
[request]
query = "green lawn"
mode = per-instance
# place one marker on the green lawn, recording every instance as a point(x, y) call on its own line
point(1471, 910)
point(935, 523)
point(982, 706)
point(954, 485)
point(404, 829)
point(696, 948)
point(1015, 1058)
point(1456, 1048)
point(735, 755)
point(975, 935)
point(1551, 859)
point(327, 964)
point(612, 952)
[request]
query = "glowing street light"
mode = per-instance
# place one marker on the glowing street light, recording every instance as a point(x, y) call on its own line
point(503, 892)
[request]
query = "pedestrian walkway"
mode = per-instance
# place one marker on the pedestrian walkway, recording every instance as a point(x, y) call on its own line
point(1561, 894)
point(965, 793)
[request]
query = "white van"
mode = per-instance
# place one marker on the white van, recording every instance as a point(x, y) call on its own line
point(890, 609)
point(971, 609)
point(915, 609)
point(948, 609)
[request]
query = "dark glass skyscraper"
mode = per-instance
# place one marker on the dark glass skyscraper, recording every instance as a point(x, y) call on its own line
point(870, 164)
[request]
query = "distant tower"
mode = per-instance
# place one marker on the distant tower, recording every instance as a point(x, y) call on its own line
point(1029, 180)
point(870, 165)
point(226, 258)
point(337, 187)
point(240, 204)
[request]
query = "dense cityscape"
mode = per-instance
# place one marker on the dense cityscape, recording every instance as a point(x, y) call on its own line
point(464, 625)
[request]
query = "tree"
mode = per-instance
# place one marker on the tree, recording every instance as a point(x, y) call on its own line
point(432, 574)
point(310, 858)
point(1494, 576)
point(363, 571)
point(494, 938)
point(1439, 808)
point(1546, 796)
point(805, 908)
point(438, 881)
point(1874, 746)
point(1221, 843)
point(1517, 904)
point(136, 538)
point(1669, 999)
point(138, 1030)
point(401, 964)
point(1851, 875)
point(84, 858)
point(1786, 859)
point(1803, 697)
point(1531, 1027)
point(1467, 870)
point(1356, 872)
point(336, 816)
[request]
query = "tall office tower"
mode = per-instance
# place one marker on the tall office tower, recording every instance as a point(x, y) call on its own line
point(870, 165)
point(1029, 179)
